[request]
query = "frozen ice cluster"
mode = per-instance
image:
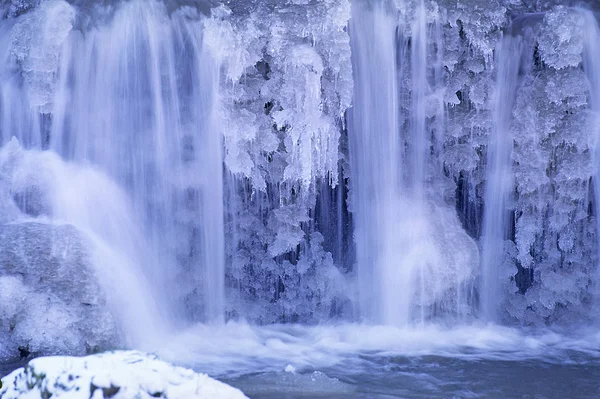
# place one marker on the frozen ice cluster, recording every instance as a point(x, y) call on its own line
point(287, 83)
point(275, 220)
point(550, 254)
point(281, 97)
point(13, 8)
point(117, 375)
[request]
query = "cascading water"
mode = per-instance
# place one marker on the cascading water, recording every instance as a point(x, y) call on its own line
point(150, 125)
point(418, 140)
point(134, 95)
point(499, 181)
point(591, 65)
point(376, 161)
point(407, 269)
point(226, 182)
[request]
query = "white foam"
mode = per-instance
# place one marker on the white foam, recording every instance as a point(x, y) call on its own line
point(238, 348)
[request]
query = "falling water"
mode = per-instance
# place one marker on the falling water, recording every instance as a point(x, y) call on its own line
point(591, 64)
point(418, 141)
point(376, 160)
point(88, 199)
point(498, 182)
point(412, 254)
point(131, 91)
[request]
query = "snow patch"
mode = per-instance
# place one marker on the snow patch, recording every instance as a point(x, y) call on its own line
point(117, 375)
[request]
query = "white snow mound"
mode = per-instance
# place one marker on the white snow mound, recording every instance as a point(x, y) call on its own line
point(115, 375)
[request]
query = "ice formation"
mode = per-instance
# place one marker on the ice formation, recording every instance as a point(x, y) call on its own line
point(397, 162)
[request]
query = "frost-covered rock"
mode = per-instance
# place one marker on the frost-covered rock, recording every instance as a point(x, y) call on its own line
point(50, 298)
point(116, 375)
point(66, 260)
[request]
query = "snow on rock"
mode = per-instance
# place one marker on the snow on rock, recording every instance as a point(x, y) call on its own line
point(116, 375)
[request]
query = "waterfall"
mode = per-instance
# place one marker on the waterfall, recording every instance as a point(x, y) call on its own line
point(591, 64)
point(414, 259)
point(129, 90)
point(376, 161)
point(418, 142)
point(307, 161)
point(142, 92)
point(499, 181)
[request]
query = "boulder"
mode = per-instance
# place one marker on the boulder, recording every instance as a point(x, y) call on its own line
point(50, 299)
point(115, 375)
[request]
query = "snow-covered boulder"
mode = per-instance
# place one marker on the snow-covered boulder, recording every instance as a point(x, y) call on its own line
point(116, 375)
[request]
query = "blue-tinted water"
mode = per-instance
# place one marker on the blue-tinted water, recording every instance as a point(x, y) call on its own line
point(357, 361)
point(431, 377)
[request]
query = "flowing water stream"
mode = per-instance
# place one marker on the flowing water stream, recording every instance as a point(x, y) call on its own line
point(315, 199)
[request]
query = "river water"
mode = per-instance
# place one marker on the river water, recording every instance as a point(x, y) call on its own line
point(359, 361)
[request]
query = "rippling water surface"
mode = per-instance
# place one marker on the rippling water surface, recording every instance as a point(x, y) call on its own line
point(357, 361)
